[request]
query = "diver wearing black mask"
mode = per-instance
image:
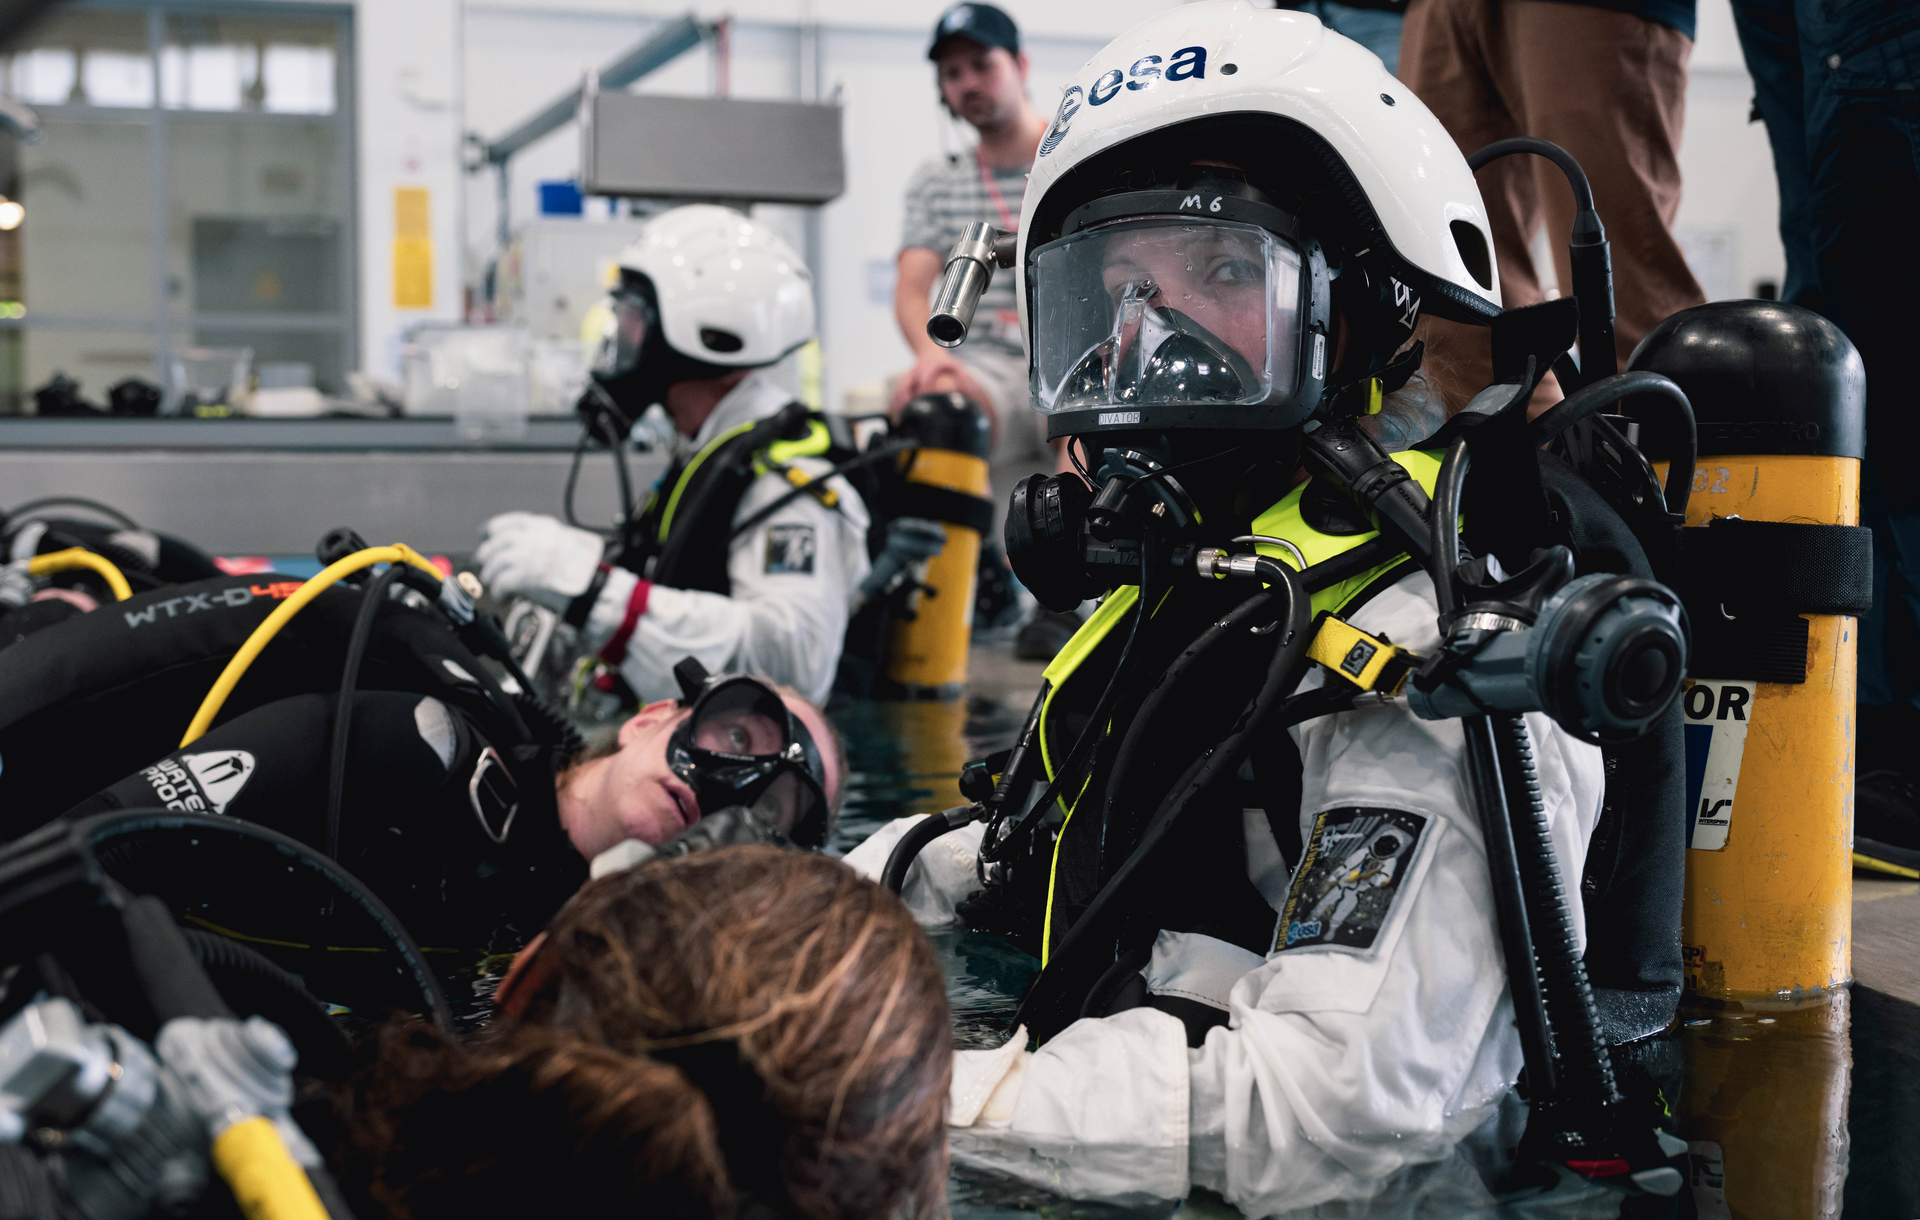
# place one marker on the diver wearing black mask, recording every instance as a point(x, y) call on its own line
point(438, 825)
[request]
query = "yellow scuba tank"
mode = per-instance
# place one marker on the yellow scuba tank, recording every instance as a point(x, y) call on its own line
point(945, 481)
point(1774, 570)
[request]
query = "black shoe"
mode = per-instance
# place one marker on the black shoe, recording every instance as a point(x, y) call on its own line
point(1045, 634)
point(1886, 823)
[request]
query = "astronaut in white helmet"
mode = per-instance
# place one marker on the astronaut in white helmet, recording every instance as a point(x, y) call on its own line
point(731, 562)
point(1232, 228)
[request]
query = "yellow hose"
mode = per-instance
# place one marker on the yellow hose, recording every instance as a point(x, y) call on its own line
point(79, 557)
point(266, 1181)
point(283, 614)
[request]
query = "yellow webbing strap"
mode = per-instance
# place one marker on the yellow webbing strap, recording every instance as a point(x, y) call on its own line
point(266, 1181)
point(779, 456)
point(1367, 662)
point(283, 614)
point(79, 557)
point(1284, 520)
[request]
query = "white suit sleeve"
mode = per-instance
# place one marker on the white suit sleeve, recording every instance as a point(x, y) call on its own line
point(943, 876)
point(1339, 1063)
point(785, 621)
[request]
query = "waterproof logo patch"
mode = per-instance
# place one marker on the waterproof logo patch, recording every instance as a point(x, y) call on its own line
point(200, 783)
point(1343, 892)
point(1716, 732)
point(790, 549)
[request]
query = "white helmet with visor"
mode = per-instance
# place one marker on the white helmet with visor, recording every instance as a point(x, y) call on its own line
point(1222, 188)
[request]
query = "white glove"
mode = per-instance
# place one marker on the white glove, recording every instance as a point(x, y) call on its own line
point(986, 1084)
point(537, 557)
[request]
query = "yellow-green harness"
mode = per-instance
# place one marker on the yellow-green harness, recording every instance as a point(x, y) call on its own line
point(1283, 521)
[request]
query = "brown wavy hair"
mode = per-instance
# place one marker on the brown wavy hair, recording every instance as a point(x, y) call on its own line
point(749, 1032)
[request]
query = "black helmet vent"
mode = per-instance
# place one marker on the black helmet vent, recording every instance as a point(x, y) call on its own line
point(1472, 244)
point(717, 340)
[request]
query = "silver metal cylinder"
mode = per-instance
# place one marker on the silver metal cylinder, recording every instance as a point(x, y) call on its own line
point(969, 271)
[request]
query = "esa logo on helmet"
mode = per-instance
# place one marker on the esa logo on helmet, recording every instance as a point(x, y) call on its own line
point(1188, 63)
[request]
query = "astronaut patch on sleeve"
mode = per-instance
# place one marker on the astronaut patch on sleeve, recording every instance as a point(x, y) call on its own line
point(790, 549)
point(1349, 878)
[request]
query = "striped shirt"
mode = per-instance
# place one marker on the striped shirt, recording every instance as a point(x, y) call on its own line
point(943, 197)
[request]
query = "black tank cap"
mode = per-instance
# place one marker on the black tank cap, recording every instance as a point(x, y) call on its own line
point(1764, 377)
point(946, 421)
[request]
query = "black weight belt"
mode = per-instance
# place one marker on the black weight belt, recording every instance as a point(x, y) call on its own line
point(1746, 585)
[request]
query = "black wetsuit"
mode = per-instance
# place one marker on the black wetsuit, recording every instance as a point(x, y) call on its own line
point(92, 710)
point(432, 818)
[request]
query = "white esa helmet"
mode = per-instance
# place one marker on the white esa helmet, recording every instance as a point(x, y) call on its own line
point(704, 291)
point(1217, 187)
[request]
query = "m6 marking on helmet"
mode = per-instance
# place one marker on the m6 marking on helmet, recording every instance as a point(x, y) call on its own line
point(1187, 63)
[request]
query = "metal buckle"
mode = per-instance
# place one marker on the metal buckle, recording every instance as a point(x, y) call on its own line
point(494, 795)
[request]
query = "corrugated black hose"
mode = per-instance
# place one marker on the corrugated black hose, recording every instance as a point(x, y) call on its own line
point(1586, 1065)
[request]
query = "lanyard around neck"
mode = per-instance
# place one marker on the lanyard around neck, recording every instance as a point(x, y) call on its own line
point(1007, 220)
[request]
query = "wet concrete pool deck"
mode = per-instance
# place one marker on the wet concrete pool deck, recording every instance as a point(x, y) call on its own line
point(1814, 1112)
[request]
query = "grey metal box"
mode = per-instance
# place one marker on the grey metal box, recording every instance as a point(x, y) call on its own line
point(711, 148)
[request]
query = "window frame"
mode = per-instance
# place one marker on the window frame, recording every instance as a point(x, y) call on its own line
point(162, 322)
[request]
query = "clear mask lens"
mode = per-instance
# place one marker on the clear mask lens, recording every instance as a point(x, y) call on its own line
point(1167, 312)
point(624, 338)
point(742, 746)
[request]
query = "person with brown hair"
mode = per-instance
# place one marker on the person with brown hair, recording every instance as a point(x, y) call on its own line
point(751, 1032)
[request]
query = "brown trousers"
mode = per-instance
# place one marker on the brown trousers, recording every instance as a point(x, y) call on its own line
point(1608, 87)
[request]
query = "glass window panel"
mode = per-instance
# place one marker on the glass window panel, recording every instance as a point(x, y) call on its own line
point(77, 57)
point(249, 63)
point(44, 77)
point(116, 78)
point(256, 216)
point(299, 80)
point(85, 243)
point(206, 77)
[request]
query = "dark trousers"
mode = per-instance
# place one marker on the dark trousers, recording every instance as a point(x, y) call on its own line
point(1838, 84)
point(1607, 86)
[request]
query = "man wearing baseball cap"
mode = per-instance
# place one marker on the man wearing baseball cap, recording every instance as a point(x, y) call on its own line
point(982, 75)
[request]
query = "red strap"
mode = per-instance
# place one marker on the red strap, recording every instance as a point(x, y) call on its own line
point(993, 189)
point(616, 650)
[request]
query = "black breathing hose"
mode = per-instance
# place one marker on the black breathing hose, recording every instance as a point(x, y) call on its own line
point(1546, 976)
point(370, 603)
point(1587, 253)
point(1682, 435)
point(1047, 1007)
point(915, 841)
point(1586, 1068)
point(105, 510)
point(1443, 548)
point(1133, 747)
point(251, 982)
point(1090, 736)
point(103, 828)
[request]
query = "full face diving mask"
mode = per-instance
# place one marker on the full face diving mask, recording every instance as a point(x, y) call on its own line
point(742, 746)
point(1166, 311)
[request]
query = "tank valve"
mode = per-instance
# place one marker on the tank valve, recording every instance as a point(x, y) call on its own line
point(970, 268)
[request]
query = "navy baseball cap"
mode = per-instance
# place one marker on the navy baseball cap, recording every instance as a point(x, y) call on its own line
point(982, 23)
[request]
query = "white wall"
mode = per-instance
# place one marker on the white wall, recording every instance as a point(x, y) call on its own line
point(1729, 221)
point(432, 69)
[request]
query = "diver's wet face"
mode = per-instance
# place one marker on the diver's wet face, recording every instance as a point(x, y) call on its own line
point(1213, 275)
point(633, 792)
